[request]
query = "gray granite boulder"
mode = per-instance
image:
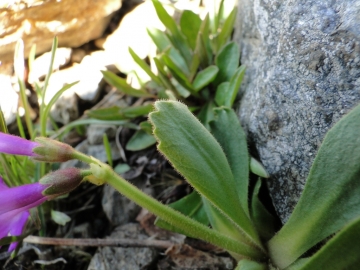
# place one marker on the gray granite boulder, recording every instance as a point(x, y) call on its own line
point(303, 75)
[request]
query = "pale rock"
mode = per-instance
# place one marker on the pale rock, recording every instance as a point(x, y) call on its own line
point(8, 99)
point(95, 133)
point(38, 21)
point(40, 66)
point(132, 33)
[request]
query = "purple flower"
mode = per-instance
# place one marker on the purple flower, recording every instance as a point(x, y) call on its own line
point(15, 145)
point(17, 201)
point(43, 149)
point(15, 205)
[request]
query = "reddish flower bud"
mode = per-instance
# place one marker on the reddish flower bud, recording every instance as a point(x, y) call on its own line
point(62, 181)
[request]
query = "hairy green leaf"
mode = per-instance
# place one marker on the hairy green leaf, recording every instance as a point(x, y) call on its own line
point(331, 195)
point(340, 252)
point(191, 206)
point(195, 153)
point(228, 132)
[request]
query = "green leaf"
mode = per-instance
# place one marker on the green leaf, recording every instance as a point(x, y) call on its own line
point(227, 29)
point(118, 113)
point(228, 132)
point(175, 61)
point(206, 114)
point(263, 220)
point(203, 44)
point(146, 126)
point(122, 168)
point(190, 24)
point(195, 153)
point(222, 93)
point(181, 90)
point(3, 126)
point(107, 149)
point(60, 217)
point(221, 223)
point(136, 111)
point(234, 86)
point(191, 206)
point(331, 195)
point(82, 122)
point(108, 113)
point(140, 140)
point(204, 77)
point(47, 108)
point(340, 252)
point(257, 168)
point(246, 264)
point(163, 77)
point(176, 37)
point(227, 61)
point(122, 85)
point(159, 38)
point(144, 66)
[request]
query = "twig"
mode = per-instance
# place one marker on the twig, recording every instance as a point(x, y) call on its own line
point(92, 242)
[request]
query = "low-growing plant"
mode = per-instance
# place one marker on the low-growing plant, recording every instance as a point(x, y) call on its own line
point(196, 63)
point(216, 165)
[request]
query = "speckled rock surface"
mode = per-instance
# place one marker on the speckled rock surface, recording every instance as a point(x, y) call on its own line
point(303, 74)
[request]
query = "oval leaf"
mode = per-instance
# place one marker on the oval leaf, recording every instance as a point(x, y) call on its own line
point(195, 153)
point(204, 77)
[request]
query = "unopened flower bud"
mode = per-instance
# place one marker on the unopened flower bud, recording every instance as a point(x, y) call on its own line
point(49, 150)
point(62, 181)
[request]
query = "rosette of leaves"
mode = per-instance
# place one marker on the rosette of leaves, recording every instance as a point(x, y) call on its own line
point(196, 64)
point(323, 232)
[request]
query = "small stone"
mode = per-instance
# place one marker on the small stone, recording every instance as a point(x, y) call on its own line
point(122, 258)
point(119, 209)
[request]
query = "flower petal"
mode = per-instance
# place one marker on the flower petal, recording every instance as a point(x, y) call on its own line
point(21, 196)
point(2, 184)
point(14, 220)
point(18, 227)
point(15, 145)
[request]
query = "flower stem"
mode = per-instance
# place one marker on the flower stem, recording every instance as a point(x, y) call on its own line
point(175, 218)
